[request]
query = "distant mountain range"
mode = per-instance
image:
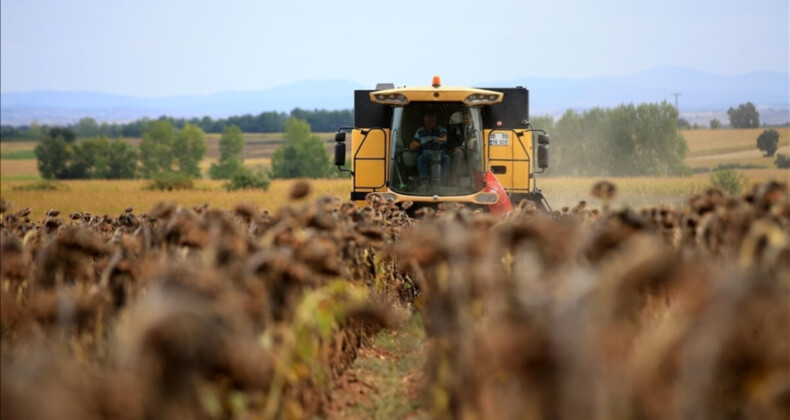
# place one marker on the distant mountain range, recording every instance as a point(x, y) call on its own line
point(701, 96)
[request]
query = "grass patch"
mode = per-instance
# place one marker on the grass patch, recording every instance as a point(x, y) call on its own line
point(42, 185)
point(18, 154)
point(170, 182)
point(413, 334)
point(28, 177)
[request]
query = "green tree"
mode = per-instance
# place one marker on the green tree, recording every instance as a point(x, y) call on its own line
point(246, 178)
point(746, 116)
point(302, 155)
point(68, 134)
point(231, 145)
point(545, 122)
point(35, 132)
point(661, 147)
point(121, 160)
point(224, 169)
point(768, 142)
point(60, 157)
point(729, 180)
point(91, 158)
point(782, 161)
point(580, 141)
point(644, 140)
point(188, 150)
point(715, 124)
point(53, 155)
point(87, 127)
point(156, 155)
point(622, 146)
point(625, 141)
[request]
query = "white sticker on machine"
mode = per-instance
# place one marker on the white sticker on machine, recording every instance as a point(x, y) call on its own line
point(499, 139)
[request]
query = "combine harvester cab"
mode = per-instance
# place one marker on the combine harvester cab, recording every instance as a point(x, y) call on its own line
point(429, 145)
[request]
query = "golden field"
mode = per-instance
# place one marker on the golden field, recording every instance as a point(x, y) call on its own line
point(708, 142)
point(112, 197)
point(707, 148)
point(18, 169)
point(710, 148)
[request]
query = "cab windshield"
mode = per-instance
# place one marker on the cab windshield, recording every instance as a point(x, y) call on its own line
point(436, 149)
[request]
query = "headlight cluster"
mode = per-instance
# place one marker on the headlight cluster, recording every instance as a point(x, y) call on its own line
point(481, 99)
point(385, 196)
point(391, 98)
point(487, 198)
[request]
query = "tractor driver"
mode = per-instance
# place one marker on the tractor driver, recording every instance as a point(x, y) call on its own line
point(426, 140)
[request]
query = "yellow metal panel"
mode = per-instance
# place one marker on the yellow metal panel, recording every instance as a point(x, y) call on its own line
point(369, 153)
point(506, 149)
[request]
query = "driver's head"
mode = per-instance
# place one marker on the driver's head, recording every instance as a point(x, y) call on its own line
point(430, 121)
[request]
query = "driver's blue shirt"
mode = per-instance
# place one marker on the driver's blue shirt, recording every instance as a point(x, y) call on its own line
point(427, 138)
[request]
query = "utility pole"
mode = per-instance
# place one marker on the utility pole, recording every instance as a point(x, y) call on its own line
point(676, 94)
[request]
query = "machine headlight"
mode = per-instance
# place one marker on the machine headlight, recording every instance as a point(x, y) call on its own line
point(486, 198)
point(385, 196)
point(389, 196)
point(481, 99)
point(391, 98)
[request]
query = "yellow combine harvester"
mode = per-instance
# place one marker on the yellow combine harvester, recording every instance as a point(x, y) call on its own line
point(435, 144)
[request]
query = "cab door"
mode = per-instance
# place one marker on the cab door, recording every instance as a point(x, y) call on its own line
point(509, 158)
point(369, 152)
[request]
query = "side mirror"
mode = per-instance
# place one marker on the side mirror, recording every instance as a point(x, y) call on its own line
point(543, 156)
point(543, 151)
point(340, 152)
point(340, 136)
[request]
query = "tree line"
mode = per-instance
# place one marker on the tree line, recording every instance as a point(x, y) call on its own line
point(171, 156)
point(629, 140)
point(266, 122)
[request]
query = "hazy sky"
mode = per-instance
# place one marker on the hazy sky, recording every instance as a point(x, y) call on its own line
point(160, 47)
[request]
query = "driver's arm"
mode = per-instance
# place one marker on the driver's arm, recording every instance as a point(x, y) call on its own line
point(415, 141)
